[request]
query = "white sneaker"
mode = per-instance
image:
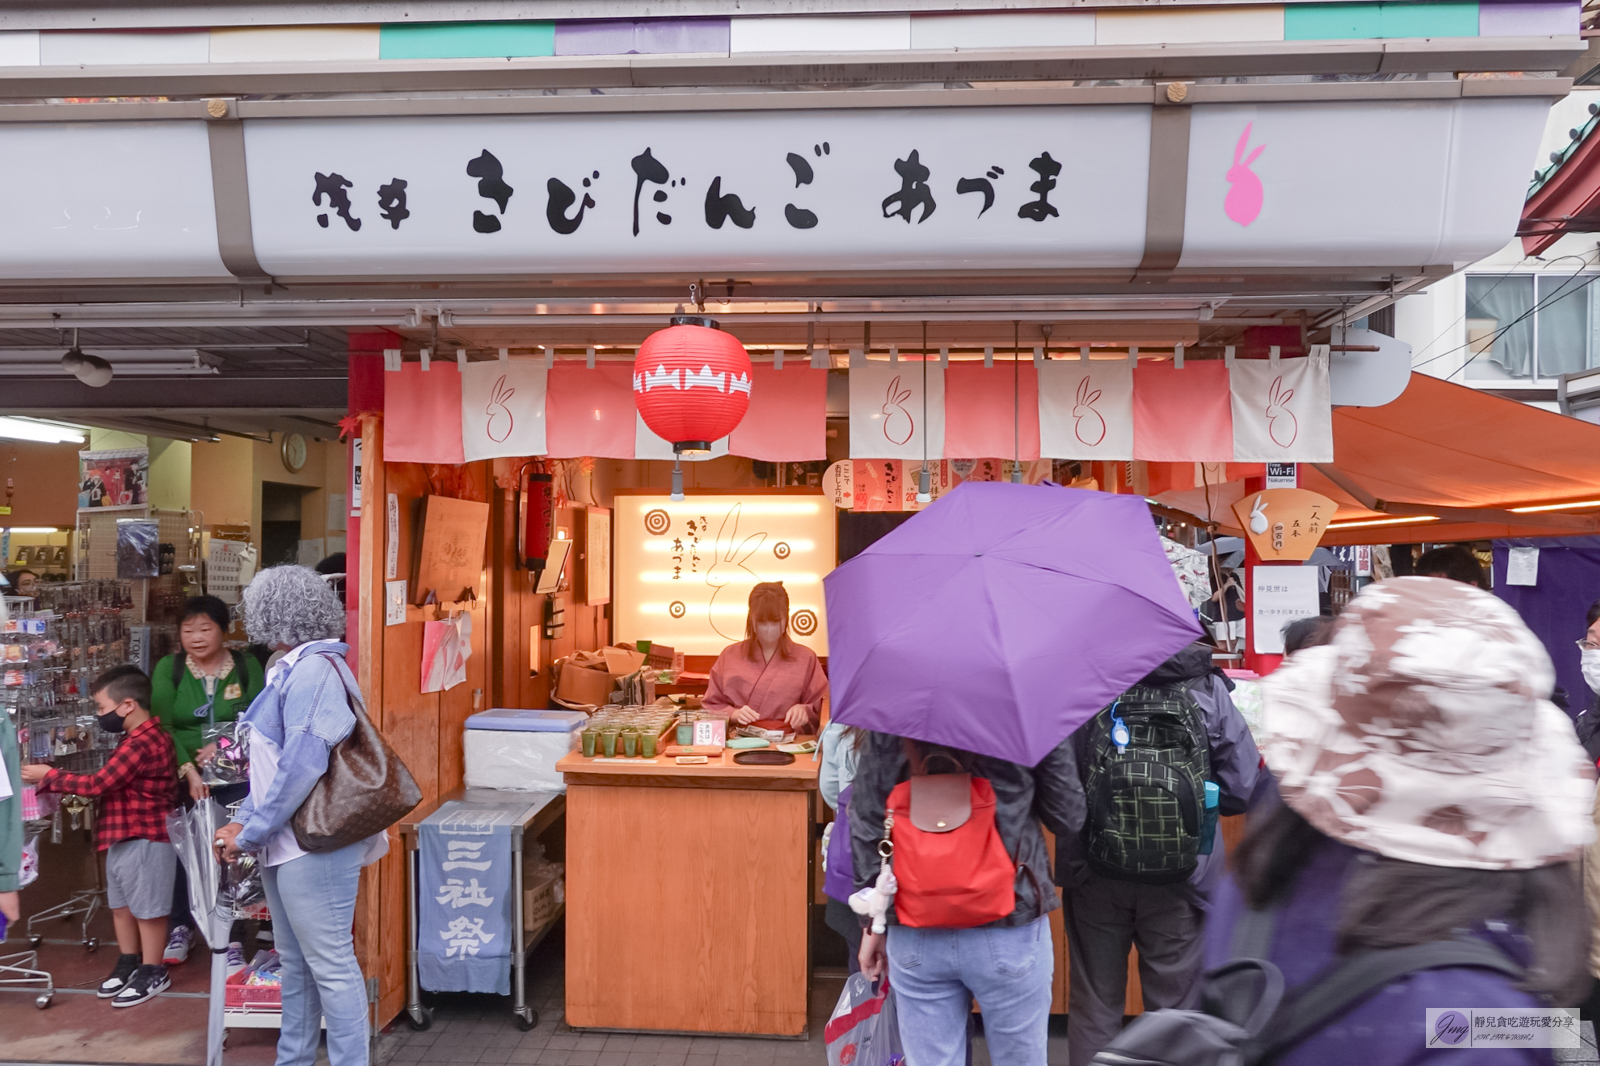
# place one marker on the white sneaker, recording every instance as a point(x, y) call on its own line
point(179, 942)
point(236, 961)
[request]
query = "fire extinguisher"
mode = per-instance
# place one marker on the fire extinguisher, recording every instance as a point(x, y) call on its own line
point(536, 519)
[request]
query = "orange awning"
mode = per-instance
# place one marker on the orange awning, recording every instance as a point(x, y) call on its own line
point(1445, 463)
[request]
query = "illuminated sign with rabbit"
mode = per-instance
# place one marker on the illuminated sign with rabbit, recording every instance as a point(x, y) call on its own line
point(683, 571)
point(1285, 524)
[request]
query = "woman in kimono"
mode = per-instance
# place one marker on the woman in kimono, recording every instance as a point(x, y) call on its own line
point(767, 676)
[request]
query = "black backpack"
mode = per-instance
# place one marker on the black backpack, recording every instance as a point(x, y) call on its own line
point(1246, 1020)
point(1146, 796)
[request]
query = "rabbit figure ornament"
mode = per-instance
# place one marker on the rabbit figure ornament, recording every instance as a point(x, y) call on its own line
point(1245, 195)
point(1088, 425)
point(898, 425)
point(500, 423)
point(1282, 426)
point(1258, 517)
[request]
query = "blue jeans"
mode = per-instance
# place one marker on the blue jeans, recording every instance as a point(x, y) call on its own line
point(937, 973)
point(313, 901)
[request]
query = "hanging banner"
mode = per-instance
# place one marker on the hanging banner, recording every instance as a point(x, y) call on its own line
point(1182, 415)
point(890, 418)
point(1281, 410)
point(110, 480)
point(1086, 409)
point(992, 410)
point(502, 408)
point(422, 414)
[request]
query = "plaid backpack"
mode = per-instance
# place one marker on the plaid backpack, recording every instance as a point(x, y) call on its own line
point(1148, 760)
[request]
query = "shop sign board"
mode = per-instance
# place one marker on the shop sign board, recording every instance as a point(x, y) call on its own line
point(1052, 187)
point(1049, 187)
point(682, 572)
point(1285, 524)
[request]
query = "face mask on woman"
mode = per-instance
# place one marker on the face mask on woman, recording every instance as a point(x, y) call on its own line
point(1591, 668)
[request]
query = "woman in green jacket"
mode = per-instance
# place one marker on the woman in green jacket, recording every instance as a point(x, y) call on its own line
point(205, 684)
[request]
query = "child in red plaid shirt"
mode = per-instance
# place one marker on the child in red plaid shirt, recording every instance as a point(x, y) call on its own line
point(137, 789)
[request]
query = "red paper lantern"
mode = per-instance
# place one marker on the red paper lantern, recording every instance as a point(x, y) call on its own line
point(691, 383)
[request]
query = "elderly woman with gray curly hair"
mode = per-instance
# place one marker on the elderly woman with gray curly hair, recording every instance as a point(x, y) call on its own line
point(303, 711)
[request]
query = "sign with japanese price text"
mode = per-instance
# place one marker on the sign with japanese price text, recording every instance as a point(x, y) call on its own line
point(1285, 524)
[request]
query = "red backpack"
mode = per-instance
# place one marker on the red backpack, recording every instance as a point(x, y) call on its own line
point(951, 865)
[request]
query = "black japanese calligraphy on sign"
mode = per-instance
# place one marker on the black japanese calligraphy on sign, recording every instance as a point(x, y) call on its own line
point(799, 217)
point(561, 197)
point(647, 167)
point(491, 185)
point(720, 208)
point(914, 189)
point(1041, 209)
point(984, 185)
point(333, 186)
point(392, 202)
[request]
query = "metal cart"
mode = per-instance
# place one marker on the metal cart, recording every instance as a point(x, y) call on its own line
point(542, 811)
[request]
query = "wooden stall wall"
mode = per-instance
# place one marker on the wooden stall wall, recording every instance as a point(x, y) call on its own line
point(424, 728)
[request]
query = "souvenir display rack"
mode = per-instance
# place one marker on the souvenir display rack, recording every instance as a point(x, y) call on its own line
point(51, 647)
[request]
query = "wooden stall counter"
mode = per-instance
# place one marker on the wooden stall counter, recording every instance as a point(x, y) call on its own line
point(687, 895)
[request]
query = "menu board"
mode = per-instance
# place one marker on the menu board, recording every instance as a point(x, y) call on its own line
point(682, 572)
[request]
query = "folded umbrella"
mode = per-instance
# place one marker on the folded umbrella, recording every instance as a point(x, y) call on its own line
point(1002, 618)
point(191, 833)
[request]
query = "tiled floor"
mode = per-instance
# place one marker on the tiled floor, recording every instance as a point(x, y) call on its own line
point(472, 1030)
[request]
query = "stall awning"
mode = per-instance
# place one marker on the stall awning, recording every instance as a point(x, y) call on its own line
point(1445, 463)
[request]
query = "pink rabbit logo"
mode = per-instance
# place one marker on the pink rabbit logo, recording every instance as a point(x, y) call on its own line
point(1243, 202)
point(732, 555)
point(898, 425)
point(1282, 425)
point(500, 421)
point(1088, 425)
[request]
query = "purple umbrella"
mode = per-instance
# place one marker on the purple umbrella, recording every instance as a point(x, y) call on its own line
point(1002, 618)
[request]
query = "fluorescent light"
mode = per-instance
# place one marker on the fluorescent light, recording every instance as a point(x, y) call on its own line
point(1384, 522)
point(1555, 506)
point(43, 432)
point(154, 362)
point(34, 529)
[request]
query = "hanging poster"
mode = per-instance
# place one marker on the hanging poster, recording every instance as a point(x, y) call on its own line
point(1280, 595)
point(113, 479)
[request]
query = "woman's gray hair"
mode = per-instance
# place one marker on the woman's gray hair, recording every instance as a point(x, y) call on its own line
point(291, 605)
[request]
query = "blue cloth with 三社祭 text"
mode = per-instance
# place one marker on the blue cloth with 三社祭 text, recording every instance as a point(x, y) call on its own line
point(464, 904)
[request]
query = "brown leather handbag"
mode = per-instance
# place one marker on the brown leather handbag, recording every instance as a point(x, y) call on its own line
point(365, 791)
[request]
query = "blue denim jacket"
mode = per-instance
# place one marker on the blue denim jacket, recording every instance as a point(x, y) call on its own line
point(304, 711)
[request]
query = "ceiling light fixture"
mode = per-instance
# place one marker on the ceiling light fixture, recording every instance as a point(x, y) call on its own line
point(89, 369)
point(1569, 505)
point(1384, 522)
point(42, 432)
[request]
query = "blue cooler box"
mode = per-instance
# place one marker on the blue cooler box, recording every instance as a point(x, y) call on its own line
point(517, 750)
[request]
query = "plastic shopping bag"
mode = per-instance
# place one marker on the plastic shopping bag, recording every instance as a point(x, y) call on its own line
point(863, 1030)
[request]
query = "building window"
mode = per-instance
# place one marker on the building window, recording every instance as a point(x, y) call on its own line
point(1526, 327)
